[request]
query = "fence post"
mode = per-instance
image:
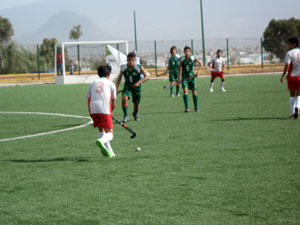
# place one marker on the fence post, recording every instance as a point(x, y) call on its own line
point(38, 61)
point(227, 43)
point(262, 53)
point(192, 46)
point(78, 55)
point(155, 57)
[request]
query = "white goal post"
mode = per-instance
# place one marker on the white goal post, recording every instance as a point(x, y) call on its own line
point(92, 50)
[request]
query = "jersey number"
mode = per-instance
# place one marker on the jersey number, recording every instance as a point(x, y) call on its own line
point(99, 87)
point(130, 79)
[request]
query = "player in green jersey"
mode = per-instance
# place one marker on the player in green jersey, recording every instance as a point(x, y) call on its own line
point(186, 72)
point(132, 86)
point(173, 67)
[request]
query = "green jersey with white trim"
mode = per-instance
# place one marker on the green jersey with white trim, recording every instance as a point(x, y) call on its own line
point(173, 63)
point(187, 66)
point(131, 75)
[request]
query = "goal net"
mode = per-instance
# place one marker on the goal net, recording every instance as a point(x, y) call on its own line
point(77, 62)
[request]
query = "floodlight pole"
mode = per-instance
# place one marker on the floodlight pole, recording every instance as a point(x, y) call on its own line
point(202, 26)
point(262, 53)
point(135, 35)
point(227, 44)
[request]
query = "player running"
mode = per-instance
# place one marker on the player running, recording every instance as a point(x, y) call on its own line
point(217, 66)
point(186, 69)
point(292, 66)
point(102, 101)
point(173, 68)
point(133, 85)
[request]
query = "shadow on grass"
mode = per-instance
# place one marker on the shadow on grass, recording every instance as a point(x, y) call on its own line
point(62, 159)
point(249, 119)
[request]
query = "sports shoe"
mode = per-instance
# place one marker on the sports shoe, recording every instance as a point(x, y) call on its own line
point(296, 113)
point(103, 149)
point(126, 118)
point(211, 90)
point(172, 95)
point(136, 117)
point(186, 110)
point(222, 89)
point(197, 110)
point(178, 95)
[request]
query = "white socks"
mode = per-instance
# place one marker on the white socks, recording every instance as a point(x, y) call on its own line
point(292, 105)
point(297, 103)
point(222, 84)
point(211, 85)
point(106, 138)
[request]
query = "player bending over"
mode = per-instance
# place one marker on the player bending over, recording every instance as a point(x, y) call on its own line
point(292, 66)
point(133, 85)
point(217, 64)
point(102, 101)
point(173, 68)
point(186, 69)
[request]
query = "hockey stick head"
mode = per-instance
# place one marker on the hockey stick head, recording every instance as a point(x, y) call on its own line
point(133, 135)
point(165, 87)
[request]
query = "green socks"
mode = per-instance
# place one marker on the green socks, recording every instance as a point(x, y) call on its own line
point(125, 110)
point(195, 98)
point(186, 100)
point(171, 89)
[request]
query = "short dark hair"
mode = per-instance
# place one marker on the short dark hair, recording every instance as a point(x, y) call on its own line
point(187, 48)
point(131, 55)
point(172, 48)
point(104, 70)
point(219, 50)
point(293, 41)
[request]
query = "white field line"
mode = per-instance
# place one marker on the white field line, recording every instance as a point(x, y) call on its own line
point(49, 132)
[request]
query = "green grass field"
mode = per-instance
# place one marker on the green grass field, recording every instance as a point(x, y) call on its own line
point(236, 162)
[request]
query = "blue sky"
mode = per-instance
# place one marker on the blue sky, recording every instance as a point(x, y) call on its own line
point(175, 19)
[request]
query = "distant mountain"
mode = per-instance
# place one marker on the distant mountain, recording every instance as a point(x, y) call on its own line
point(59, 26)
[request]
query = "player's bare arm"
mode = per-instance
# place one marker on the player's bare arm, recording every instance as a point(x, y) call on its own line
point(119, 81)
point(146, 77)
point(113, 104)
point(200, 66)
point(285, 69)
point(179, 72)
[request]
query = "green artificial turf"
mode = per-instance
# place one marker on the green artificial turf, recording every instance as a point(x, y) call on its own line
point(235, 162)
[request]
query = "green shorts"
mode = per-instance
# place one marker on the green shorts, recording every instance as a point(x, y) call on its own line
point(190, 84)
point(135, 93)
point(173, 76)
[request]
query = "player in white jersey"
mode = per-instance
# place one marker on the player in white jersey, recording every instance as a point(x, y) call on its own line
point(102, 97)
point(292, 66)
point(217, 65)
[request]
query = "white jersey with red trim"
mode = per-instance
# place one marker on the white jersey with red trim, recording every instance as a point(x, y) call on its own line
point(217, 64)
point(293, 59)
point(100, 94)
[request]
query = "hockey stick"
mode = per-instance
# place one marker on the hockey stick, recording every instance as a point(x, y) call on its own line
point(167, 87)
point(120, 91)
point(125, 126)
point(171, 71)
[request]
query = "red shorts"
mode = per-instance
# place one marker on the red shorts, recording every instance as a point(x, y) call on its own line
point(102, 120)
point(293, 83)
point(217, 74)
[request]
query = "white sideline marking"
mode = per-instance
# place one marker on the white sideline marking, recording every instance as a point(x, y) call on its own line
point(49, 132)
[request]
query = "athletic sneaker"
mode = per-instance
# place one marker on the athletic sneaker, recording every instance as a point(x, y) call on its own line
point(103, 149)
point(136, 117)
point(172, 95)
point(126, 118)
point(296, 113)
point(187, 110)
point(178, 95)
point(197, 110)
point(222, 89)
point(211, 90)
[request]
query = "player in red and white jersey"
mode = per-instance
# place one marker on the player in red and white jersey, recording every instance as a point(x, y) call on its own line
point(292, 66)
point(102, 101)
point(217, 65)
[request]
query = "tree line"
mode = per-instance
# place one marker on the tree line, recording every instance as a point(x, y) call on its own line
point(15, 58)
